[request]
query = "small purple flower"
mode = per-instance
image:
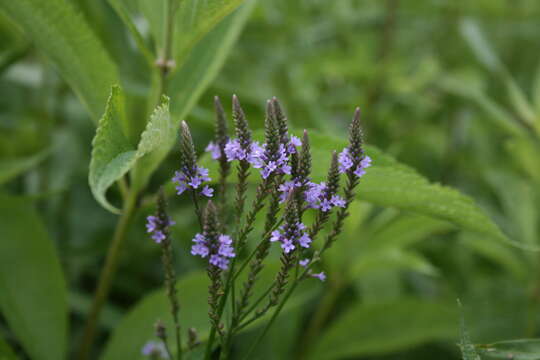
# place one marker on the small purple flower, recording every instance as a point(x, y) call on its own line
point(234, 151)
point(286, 189)
point(156, 227)
point(154, 348)
point(346, 162)
point(192, 179)
point(270, 162)
point(214, 149)
point(207, 191)
point(338, 201)
point(291, 235)
point(304, 262)
point(321, 276)
point(219, 252)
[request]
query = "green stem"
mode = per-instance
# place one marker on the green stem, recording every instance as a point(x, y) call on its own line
point(273, 318)
point(106, 277)
point(320, 317)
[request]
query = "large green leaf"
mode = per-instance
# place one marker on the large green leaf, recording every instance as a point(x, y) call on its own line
point(67, 41)
point(523, 349)
point(112, 153)
point(381, 328)
point(33, 297)
point(389, 183)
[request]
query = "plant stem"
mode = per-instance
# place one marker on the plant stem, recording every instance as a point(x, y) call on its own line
point(320, 317)
point(106, 277)
point(274, 317)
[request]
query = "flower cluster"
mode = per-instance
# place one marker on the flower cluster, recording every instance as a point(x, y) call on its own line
point(219, 253)
point(156, 227)
point(346, 162)
point(317, 196)
point(193, 179)
point(290, 236)
point(260, 157)
point(155, 350)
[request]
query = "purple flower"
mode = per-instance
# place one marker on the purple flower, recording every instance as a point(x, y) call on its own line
point(156, 227)
point(154, 348)
point(338, 201)
point(219, 252)
point(314, 193)
point(214, 149)
point(304, 262)
point(321, 276)
point(207, 191)
point(291, 235)
point(286, 189)
point(192, 179)
point(234, 150)
point(293, 143)
point(270, 161)
point(346, 162)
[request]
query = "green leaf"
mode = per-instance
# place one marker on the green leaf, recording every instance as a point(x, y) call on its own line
point(203, 63)
point(523, 349)
point(202, 66)
point(382, 328)
point(498, 115)
point(33, 296)
point(6, 353)
point(113, 155)
point(67, 41)
point(389, 183)
point(480, 46)
point(11, 168)
point(195, 18)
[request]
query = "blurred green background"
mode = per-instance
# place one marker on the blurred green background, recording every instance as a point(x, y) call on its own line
point(451, 88)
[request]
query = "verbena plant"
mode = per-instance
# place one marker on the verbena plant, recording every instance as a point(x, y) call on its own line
point(176, 58)
point(285, 186)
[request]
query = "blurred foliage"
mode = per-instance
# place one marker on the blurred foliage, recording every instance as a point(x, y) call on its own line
point(450, 88)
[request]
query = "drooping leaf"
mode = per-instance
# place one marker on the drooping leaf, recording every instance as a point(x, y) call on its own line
point(66, 39)
point(382, 328)
point(523, 349)
point(33, 297)
point(112, 153)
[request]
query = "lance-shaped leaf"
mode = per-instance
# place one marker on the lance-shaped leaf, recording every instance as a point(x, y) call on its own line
point(67, 41)
point(33, 296)
point(112, 153)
